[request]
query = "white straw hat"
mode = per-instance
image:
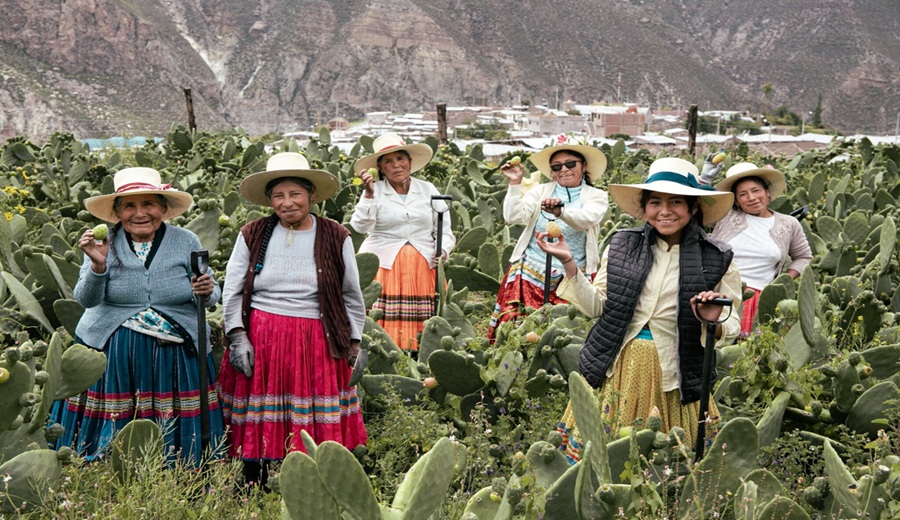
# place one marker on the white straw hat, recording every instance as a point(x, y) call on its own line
point(773, 178)
point(594, 157)
point(419, 154)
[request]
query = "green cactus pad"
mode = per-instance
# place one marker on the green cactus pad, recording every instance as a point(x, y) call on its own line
point(140, 442)
point(21, 380)
point(732, 455)
point(506, 373)
point(32, 475)
point(455, 373)
point(302, 490)
point(368, 268)
point(425, 485)
point(481, 505)
point(872, 405)
point(80, 368)
point(769, 425)
point(587, 418)
point(345, 479)
point(560, 497)
point(840, 481)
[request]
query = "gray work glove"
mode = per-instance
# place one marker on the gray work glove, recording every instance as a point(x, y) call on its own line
point(240, 353)
point(710, 171)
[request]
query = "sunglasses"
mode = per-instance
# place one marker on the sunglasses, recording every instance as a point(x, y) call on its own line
point(568, 164)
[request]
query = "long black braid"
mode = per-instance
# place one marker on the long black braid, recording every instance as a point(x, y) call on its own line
point(267, 235)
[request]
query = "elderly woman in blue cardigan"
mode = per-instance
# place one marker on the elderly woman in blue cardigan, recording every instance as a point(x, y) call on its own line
point(139, 297)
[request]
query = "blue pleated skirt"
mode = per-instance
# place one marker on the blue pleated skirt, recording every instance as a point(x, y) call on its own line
point(143, 380)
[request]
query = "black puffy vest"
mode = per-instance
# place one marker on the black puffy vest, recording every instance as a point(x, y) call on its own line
point(703, 262)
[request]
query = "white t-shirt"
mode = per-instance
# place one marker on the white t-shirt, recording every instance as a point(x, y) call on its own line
point(755, 252)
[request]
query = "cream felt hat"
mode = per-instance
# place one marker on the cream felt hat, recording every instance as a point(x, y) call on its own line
point(287, 164)
point(138, 181)
point(676, 177)
point(773, 178)
point(595, 158)
point(419, 153)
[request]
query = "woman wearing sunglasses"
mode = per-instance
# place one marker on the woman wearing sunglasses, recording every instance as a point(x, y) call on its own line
point(571, 203)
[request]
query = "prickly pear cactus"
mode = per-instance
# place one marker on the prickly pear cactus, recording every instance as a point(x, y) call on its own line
point(31, 476)
point(137, 446)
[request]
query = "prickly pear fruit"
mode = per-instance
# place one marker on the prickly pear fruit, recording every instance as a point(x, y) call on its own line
point(224, 220)
point(532, 337)
point(719, 157)
point(4, 375)
point(515, 160)
point(101, 231)
point(372, 171)
point(430, 382)
point(654, 421)
point(555, 438)
point(553, 230)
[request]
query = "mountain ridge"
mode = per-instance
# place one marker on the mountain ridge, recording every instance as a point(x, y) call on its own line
point(111, 67)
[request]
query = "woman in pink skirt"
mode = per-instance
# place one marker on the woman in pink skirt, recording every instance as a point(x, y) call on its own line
point(294, 315)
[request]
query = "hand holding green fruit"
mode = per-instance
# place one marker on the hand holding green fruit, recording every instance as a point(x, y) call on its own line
point(100, 231)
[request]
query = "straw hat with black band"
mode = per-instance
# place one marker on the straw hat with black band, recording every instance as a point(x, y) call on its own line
point(287, 164)
point(676, 177)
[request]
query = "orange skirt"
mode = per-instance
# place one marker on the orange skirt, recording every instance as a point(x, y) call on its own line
point(407, 297)
point(631, 393)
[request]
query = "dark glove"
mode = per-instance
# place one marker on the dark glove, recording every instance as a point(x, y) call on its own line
point(710, 171)
point(240, 353)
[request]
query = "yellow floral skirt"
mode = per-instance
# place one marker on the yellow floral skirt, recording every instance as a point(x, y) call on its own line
point(633, 390)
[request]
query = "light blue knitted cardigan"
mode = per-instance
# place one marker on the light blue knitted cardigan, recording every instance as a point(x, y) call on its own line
point(127, 287)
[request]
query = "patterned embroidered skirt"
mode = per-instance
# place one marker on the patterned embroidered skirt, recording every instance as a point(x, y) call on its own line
point(143, 380)
point(296, 385)
point(523, 286)
point(631, 393)
point(748, 313)
point(407, 297)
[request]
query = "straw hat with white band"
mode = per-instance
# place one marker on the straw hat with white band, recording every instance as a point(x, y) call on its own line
point(773, 178)
point(419, 154)
point(595, 158)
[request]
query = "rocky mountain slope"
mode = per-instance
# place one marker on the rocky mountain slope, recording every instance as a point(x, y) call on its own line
point(113, 67)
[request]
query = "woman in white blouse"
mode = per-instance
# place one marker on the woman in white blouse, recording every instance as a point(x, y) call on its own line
point(397, 213)
point(762, 239)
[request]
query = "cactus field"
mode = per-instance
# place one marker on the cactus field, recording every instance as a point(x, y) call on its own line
point(810, 405)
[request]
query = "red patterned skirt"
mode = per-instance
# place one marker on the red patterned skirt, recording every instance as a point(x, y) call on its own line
point(296, 385)
point(748, 313)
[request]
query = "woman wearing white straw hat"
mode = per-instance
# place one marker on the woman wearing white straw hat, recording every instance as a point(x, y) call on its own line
point(138, 293)
point(294, 314)
point(762, 239)
point(571, 203)
point(398, 214)
point(646, 349)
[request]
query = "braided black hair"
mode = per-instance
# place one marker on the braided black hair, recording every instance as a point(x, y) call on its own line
point(267, 235)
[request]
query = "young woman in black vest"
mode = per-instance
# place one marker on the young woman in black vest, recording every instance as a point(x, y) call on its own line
point(646, 350)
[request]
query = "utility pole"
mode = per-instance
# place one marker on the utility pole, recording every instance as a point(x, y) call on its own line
point(692, 129)
point(442, 122)
point(192, 123)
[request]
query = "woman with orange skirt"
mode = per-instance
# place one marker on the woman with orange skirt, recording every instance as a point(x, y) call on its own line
point(400, 218)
